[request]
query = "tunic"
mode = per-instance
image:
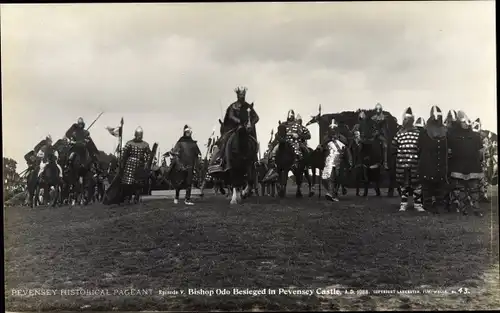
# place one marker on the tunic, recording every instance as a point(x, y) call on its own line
point(465, 154)
point(433, 157)
point(135, 156)
point(406, 146)
point(336, 149)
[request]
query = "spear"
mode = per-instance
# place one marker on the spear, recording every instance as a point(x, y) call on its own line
point(271, 139)
point(95, 120)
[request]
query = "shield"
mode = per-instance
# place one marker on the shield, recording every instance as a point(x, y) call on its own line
point(152, 156)
point(113, 194)
point(147, 170)
point(92, 147)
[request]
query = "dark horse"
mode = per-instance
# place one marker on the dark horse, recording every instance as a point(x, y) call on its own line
point(49, 178)
point(78, 172)
point(239, 154)
point(315, 160)
point(369, 166)
point(286, 162)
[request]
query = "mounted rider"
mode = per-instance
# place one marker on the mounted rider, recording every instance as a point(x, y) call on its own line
point(304, 134)
point(296, 135)
point(237, 114)
point(381, 129)
point(336, 150)
point(78, 137)
point(44, 153)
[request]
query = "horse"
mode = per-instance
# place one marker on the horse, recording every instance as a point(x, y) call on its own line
point(262, 167)
point(369, 165)
point(76, 174)
point(50, 178)
point(95, 184)
point(286, 161)
point(31, 183)
point(239, 153)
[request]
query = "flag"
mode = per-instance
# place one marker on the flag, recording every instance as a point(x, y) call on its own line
point(114, 131)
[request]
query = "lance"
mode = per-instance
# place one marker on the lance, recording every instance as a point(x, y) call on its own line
point(95, 120)
point(23, 172)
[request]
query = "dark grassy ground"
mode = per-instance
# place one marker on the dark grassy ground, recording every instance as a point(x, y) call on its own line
point(265, 243)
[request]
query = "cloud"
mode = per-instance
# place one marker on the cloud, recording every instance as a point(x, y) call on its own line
point(164, 65)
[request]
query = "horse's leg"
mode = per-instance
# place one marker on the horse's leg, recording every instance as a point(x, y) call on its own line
point(234, 198)
point(56, 196)
point(37, 195)
point(283, 180)
point(377, 173)
point(46, 194)
point(309, 182)
point(299, 177)
point(320, 183)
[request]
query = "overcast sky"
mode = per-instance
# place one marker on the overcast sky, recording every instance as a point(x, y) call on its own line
point(161, 66)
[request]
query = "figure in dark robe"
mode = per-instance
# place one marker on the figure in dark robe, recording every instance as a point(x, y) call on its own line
point(381, 130)
point(433, 161)
point(185, 155)
point(465, 148)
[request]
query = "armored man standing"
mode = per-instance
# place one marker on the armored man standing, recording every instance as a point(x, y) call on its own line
point(433, 161)
point(135, 156)
point(406, 147)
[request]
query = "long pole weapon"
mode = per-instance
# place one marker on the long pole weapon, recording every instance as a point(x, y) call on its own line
point(120, 139)
point(95, 120)
point(320, 142)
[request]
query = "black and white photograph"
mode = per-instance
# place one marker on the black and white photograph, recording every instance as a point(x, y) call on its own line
point(250, 156)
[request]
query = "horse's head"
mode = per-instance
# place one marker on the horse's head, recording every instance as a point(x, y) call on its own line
point(314, 119)
point(221, 127)
point(248, 124)
point(281, 132)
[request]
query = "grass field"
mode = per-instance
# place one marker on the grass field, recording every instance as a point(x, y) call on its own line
point(265, 243)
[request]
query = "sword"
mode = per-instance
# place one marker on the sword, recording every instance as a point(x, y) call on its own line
point(95, 120)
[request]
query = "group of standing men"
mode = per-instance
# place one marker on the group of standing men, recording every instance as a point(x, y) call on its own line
point(440, 164)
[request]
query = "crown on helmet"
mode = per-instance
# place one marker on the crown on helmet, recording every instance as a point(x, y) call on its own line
point(186, 128)
point(241, 91)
